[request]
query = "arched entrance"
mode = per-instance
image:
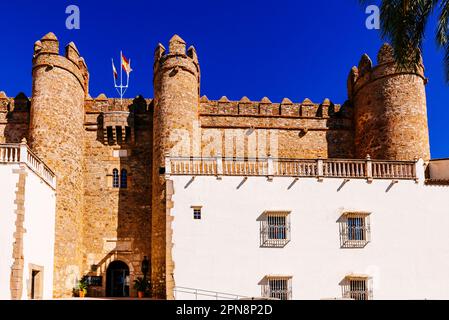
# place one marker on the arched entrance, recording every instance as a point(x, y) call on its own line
point(117, 279)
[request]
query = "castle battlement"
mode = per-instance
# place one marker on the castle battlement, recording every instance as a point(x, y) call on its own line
point(367, 72)
point(176, 58)
point(19, 103)
point(46, 54)
point(265, 108)
point(103, 104)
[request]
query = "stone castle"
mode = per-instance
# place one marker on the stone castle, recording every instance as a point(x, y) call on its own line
point(86, 141)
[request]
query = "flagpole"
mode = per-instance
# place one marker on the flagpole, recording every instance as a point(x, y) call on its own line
point(113, 74)
point(121, 88)
point(121, 78)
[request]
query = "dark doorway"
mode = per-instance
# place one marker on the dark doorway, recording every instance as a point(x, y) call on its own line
point(117, 280)
point(34, 283)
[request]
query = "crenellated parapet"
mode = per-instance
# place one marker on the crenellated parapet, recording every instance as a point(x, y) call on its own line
point(104, 104)
point(266, 108)
point(14, 117)
point(177, 58)
point(116, 119)
point(19, 103)
point(367, 72)
point(46, 54)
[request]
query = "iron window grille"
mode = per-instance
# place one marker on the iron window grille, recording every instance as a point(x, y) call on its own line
point(196, 213)
point(358, 288)
point(355, 230)
point(115, 179)
point(275, 229)
point(277, 288)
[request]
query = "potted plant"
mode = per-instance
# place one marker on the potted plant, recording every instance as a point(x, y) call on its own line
point(82, 288)
point(141, 285)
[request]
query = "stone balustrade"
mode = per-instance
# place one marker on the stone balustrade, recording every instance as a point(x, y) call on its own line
point(301, 168)
point(21, 154)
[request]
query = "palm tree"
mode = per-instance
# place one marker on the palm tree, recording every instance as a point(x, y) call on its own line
point(403, 23)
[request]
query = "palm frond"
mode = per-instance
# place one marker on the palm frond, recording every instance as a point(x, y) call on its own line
point(442, 35)
point(403, 23)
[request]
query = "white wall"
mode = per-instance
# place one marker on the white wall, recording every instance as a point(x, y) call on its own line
point(8, 182)
point(408, 256)
point(38, 241)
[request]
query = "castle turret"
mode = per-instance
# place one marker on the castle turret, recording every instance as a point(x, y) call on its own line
point(56, 136)
point(176, 104)
point(390, 109)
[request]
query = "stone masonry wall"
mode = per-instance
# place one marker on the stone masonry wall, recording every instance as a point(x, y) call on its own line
point(293, 130)
point(117, 222)
point(14, 118)
point(16, 279)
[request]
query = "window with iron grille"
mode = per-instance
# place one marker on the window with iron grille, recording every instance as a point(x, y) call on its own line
point(355, 230)
point(115, 178)
point(196, 213)
point(277, 288)
point(275, 229)
point(357, 288)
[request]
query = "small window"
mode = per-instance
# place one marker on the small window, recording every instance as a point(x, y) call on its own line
point(275, 229)
point(128, 134)
point(277, 288)
point(196, 213)
point(124, 179)
point(115, 178)
point(110, 135)
point(355, 230)
point(357, 288)
point(118, 133)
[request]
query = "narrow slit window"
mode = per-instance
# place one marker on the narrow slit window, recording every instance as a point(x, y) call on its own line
point(109, 132)
point(128, 134)
point(118, 131)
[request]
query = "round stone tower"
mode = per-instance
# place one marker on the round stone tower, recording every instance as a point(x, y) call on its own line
point(176, 101)
point(390, 109)
point(60, 85)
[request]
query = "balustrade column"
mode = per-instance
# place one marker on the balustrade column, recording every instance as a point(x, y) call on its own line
point(369, 169)
point(270, 167)
point(320, 166)
point(23, 154)
point(167, 166)
point(219, 163)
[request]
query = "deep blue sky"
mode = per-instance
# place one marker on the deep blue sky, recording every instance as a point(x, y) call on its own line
point(278, 49)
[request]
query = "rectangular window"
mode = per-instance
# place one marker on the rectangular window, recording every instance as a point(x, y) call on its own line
point(357, 288)
point(115, 178)
point(355, 231)
point(275, 229)
point(196, 213)
point(277, 288)
point(109, 135)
